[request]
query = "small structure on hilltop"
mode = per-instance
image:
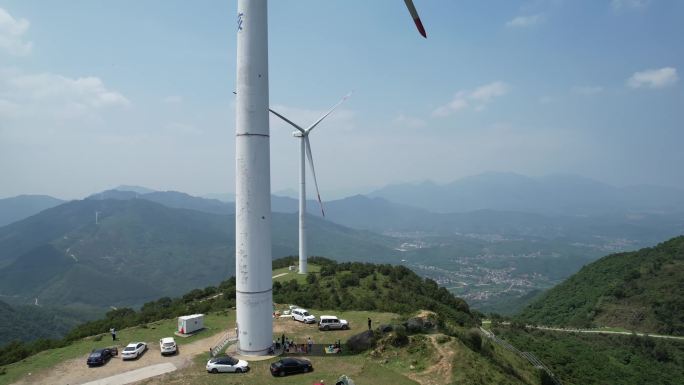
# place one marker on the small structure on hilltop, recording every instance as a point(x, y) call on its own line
point(190, 324)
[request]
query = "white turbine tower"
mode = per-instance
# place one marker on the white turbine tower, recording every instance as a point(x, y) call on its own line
point(253, 296)
point(305, 152)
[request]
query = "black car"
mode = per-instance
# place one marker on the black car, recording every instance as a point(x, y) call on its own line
point(290, 365)
point(101, 356)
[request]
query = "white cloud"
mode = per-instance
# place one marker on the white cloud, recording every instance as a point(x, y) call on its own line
point(526, 21)
point(587, 90)
point(654, 78)
point(55, 96)
point(629, 4)
point(476, 99)
point(11, 35)
point(409, 121)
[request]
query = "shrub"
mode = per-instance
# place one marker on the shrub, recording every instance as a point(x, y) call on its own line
point(443, 339)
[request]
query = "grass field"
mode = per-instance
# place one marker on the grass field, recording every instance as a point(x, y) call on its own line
point(151, 333)
point(289, 275)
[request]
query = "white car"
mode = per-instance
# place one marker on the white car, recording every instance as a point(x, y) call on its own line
point(167, 345)
point(302, 315)
point(330, 322)
point(227, 364)
point(133, 350)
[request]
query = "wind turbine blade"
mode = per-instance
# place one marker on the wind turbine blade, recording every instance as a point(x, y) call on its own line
point(416, 18)
point(313, 172)
point(288, 120)
point(311, 127)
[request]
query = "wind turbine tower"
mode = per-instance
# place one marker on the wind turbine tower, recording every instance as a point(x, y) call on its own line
point(254, 297)
point(305, 152)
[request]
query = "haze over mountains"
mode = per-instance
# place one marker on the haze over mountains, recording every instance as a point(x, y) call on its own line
point(553, 194)
point(22, 206)
point(150, 243)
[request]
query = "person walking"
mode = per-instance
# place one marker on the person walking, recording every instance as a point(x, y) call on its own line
point(369, 323)
point(282, 340)
point(113, 332)
point(309, 345)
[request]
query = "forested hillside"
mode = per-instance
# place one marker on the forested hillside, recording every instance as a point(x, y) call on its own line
point(641, 290)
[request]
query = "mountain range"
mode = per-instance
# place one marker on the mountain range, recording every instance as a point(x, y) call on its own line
point(139, 250)
point(553, 194)
point(23, 206)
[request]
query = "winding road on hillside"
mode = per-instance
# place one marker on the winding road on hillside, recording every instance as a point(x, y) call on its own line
point(595, 331)
point(599, 331)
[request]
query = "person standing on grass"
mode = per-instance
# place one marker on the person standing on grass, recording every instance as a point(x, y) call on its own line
point(113, 331)
point(369, 323)
point(309, 345)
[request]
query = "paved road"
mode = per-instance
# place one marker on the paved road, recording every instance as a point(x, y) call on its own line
point(599, 331)
point(135, 375)
point(596, 331)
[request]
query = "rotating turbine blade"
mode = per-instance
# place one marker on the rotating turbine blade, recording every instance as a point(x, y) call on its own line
point(288, 120)
point(416, 18)
point(311, 127)
point(313, 172)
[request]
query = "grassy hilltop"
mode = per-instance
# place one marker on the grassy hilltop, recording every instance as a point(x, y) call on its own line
point(450, 351)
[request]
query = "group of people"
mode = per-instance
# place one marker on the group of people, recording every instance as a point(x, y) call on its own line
point(289, 345)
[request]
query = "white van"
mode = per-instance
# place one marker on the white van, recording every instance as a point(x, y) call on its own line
point(302, 315)
point(330, 322)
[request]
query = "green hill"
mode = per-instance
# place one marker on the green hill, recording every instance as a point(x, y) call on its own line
point(23, 206)
point(641, 290)
point(141, 250)
point(445, 352)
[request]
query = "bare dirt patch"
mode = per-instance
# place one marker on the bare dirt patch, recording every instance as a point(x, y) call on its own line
point(440, 372)
point(75, 371)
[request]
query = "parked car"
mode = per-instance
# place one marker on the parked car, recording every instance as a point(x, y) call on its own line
point(133, 350)
point(330, 322)
point(290, 366)
point(227, 364)
point(101, 356)
point(167, 345)
point(302, 315)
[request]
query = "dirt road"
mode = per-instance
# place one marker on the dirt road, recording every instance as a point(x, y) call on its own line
point(440, 372)
point(75, 371)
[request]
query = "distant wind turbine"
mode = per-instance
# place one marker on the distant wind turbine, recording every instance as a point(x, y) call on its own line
point(305, 152)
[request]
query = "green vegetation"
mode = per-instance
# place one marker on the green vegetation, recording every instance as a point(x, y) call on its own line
point(141, 250)
point(578, 359)
point(28, 322)
point(150, 332)
point(365, 286)
point(353, 291)
point(640, 290)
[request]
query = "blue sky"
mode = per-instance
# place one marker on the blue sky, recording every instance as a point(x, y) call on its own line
point(99, 93)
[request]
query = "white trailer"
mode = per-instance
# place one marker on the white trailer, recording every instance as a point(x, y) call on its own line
point(189, 324)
